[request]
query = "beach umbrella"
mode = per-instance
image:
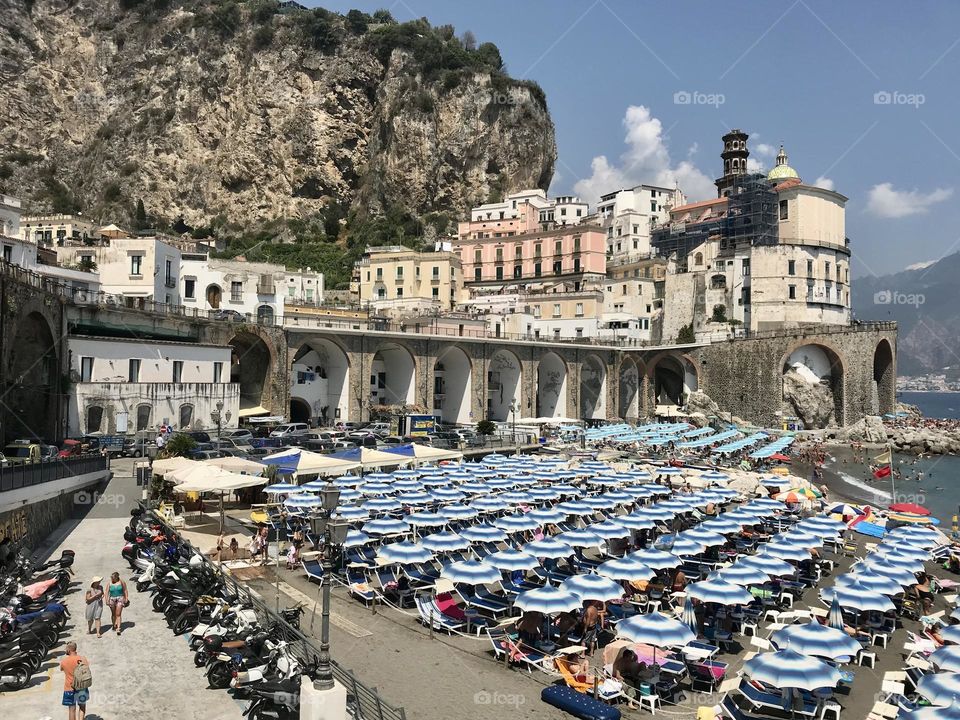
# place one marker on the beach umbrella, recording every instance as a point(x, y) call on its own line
point(915, 531)
point(474, 488)
point(855, 596)
point(741, 516)
point(636, 521)
point(445, 542)
point(656, 559)
point(457, 512)
point(821, 527)
point(669, 471)
point(776, 481)
point(406, 473)
point(601, 481)
point(376, 488)
point(415, 498)
point(546, 515)
point(655, 512)
point(279, 488)
point(435, 480)
point(404, 553)
point(720, 592)
point(471, 572)
point(483, 533)
point(580, 537)
point(724, 493)
point(609, 530)
point(379, 477)
point(772, 566)
point(790, 669)
point(932, 712)
point(741, 575)
point(901, 550)
point(622, 497)
point(902, 561)
point(517, 497)
point(593, 587)
point(946, 658)
point(909, 508)
point(657, 489)
point(385, 526)
point(352, 513)
point(407, 485)
point(303, 501)
point(544, 493)
point(679, 545)
point(722, 525)
point(835, 616)
point(767, 503)
point(489, 504)
point(785, 551)
point(796, 495)
point(629, 569)
point(575, 507)
point(655, 629)
point(951, 634)
point(567, 489)
point(446, 494)
point(425, 519)
point(872, 581)
point(955, 614)
point(355, 538)
point(817, 640)
point(349, 495)
point(348, 481)
point(548, 548)
point(704, 536)
point(501, 483)
point(891, 570)
point(677, 507)
point(547, 600)
point(599, 502)
point(382, 505)
point(689, 616)
point(797, 536)
point(714, 476)
point(516, 523)
point(511, 559)
point(844, 510)
point(940, 688)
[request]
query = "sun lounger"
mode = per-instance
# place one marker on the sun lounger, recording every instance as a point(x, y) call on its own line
point(765, 701)
point(470, 597)
point(421, 575)
point(313, 569)
point(497, 636)
point(359, 586)
point(447, 606)
point(431, 617)
point(528, 658)
point(733, 711)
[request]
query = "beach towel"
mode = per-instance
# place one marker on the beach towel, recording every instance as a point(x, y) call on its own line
point(448, 606)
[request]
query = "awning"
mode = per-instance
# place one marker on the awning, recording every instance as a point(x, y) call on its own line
point(425, 453)
point(304, 462)
point(162, 467)
point(250, 412)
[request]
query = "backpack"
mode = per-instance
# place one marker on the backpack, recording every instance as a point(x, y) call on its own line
point(82, 678)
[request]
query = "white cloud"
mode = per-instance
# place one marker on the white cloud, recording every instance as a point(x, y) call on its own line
point(755, 166)
point(763, 150)
point(885, 201)
point(646, 160)
point(823, 182)
point(920, 265)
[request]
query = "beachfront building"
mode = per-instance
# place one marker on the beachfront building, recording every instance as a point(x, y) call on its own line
point(628, 215)
point(123, 386)
point(398, 281)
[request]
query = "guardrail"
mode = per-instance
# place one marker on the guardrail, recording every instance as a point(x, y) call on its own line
point(363, 703)
point(15, 477)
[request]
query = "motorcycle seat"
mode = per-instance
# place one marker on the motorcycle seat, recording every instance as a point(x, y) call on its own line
point(234, 644)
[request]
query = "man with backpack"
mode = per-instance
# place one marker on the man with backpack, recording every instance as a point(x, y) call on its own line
point(76, 682)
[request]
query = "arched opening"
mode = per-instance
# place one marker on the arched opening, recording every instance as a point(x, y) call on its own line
point(214, 296)
point(593, 388)
point(320, 378)
point(551, 386)
point(265, 315)
point(144, 413)
point(629, 390)
point(670, 382)
point(884, 381)
point(392, 376)
point(186, 416)
point(30, 402)
point(250, 367)
point(94, 418)
point(812, 386)
point(299, 410)
point(503, 385)
point(451, 386)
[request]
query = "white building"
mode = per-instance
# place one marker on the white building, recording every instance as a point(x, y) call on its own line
point(57, 229)
point(629, 214)
point(9, 216)
point(124, 386)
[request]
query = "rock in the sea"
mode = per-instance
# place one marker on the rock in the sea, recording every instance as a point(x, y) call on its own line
point(868, 430)
point(811, 401)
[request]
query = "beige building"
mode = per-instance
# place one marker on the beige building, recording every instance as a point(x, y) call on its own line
point(398, 281)
point(57, 229)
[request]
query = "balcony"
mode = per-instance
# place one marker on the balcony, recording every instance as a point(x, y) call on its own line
point(170, 281)
point(269, 289)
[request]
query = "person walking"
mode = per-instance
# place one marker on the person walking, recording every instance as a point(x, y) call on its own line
point(117, 599)
point(94, 607)
point(76, 685)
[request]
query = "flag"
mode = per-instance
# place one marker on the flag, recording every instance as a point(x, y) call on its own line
point(882, 472)
point(883, 458)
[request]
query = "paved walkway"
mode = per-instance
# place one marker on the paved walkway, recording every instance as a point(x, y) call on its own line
point(146, 672)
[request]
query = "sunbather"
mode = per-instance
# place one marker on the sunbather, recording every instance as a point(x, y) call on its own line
point(530, 628)
point(564, 624)
point(579, 666)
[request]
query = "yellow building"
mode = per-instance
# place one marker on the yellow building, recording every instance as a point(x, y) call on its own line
point(400, 281)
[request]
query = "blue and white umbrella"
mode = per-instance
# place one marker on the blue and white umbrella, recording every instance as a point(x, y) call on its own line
point(567, 489)
point(446, 494)
point(382, 504)
point(744, 575)
point(580, 538)
point(899, 560)
point(376, 488)
point(355, 538)
point(603, 481)
point(548, 548)
point(951, 634)
point(425, 519)
point(933, 712)
point(629, 569)
point(511, 559)
point(677, 507)
point(489, 504)
point(878, 565)
point(821, 527)
point(776, 482)
point(593, 587)
point(546, 515)
point(483, 533)
point(501, 483)
point(941, 688)
point(457, 512)
point(946, 658)
point(445, 542)
point(609, 530)
point(722, 525)
point(785, 551)
point(704, 537)
point(416, 498)
point(656, 559)
point(517, 497)
point(772, 566)
point(348, 481)
point(689, 615)
point(855, 596)
point(743, 517)
point(407, 485)
point(471, 572)
point(352, 513)
point(434, 480)
point(316, 486)
point(657, 489)
point(955, 614)
point(791, 669)
point(636, 521)
point(475, 488)
point(901, 549)
point(835, 617)
point(547, 600)
point(516, 523)
point(404, 553)
point(406, 473)
point(798, 537)
point(599, 502)
point(385, 526)
point(817, 640)
point(714, 476)
point(279, 488)
point(349, 495)
point(655, 629)
point(916, 535)
point(543, 493)
point(672, 471)
point(872, 581)
point(720, 592)
point(679, 545)
point(766, 503)
point(621, 497)
point(303, 501)
point(379, 477)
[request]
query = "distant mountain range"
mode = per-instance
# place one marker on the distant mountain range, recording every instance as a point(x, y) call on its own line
point(924, 300)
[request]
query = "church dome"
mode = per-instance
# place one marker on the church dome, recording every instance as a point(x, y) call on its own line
point(782, 171)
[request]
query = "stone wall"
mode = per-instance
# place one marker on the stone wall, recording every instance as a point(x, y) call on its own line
point(33, 523)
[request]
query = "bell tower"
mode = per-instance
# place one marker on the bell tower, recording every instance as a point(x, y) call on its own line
point(734, 155)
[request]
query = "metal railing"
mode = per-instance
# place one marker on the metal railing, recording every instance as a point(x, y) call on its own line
point(14, 477)
point(363, 703)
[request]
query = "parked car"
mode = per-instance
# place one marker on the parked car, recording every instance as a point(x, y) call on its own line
point(231, 443)
point(138, 447)
point(237, 434)
point(290, 430)
point(49, 452)
point(380, 428)
point(71, 448)
point(393, 440)
point(206, 454)
point(22, 452)
point(367, 441)
point(199, 435)
point(446, 439)
point(230, 315)
point(351, 426)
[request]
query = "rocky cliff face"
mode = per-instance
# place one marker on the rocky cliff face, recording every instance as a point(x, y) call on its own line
point(812, 402)
point(220, 109)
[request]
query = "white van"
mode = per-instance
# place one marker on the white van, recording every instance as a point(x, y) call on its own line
point(290, 430)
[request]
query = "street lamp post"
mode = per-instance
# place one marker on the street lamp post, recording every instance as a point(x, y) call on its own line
point(333, 534)
point(218, 416)
point(513, 428)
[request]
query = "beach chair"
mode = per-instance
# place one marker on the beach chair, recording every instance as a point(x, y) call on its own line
point(353, 556)
point(313, 569)
point(764, 702)
point(883, 711)
point(422, 575)
point(470, 597)
point(359, 585)
point(528, 658)
point(447, 606)
point(730, 709)
point(497, 636)
point(707, 675)
point(607, 690)
point(431, 617)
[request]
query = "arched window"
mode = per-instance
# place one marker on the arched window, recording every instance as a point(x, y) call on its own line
point(186, 416)
point(143, 416)
point(698, 259)
point(265, 315)
point(94, 418)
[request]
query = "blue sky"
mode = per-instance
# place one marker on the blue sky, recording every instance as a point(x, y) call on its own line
point(806, 74)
